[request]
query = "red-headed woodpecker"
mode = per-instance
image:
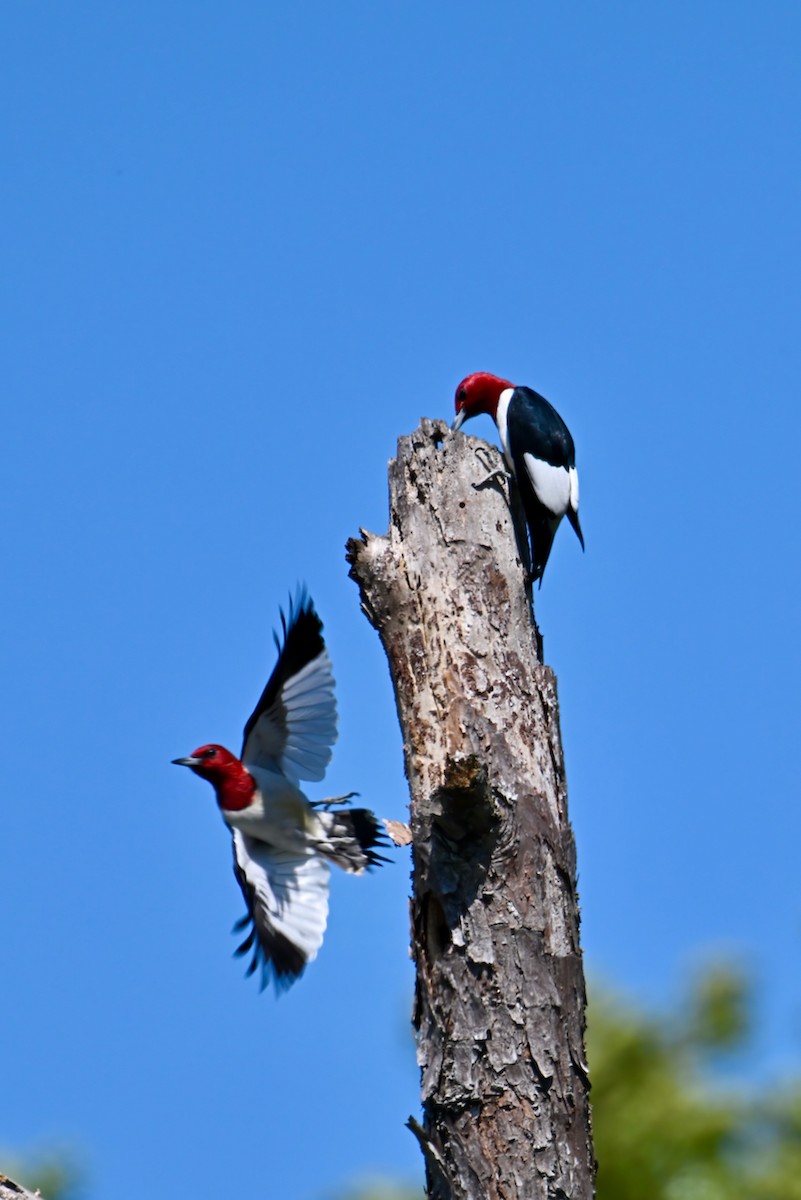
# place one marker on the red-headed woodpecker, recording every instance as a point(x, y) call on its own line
point(539, 450)
point(283, 845)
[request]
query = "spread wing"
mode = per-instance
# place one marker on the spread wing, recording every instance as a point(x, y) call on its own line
point(294, 724)
point(287, 900)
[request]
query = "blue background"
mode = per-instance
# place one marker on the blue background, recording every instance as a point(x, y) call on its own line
point(244, 248)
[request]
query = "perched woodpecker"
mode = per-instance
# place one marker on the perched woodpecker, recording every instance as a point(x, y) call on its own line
point(539, 450)
point(282, 843)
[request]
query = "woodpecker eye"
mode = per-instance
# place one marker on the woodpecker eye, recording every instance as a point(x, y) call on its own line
point(461, 395)
point(208, 754)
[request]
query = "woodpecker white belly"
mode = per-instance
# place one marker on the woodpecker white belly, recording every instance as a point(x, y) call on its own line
point(281, 818)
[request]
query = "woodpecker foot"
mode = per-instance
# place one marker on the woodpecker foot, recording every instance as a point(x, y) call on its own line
point(498, 473)
point(332, 800)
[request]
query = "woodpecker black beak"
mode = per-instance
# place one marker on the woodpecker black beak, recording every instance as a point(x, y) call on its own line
point(185, 762)
point(461, 417)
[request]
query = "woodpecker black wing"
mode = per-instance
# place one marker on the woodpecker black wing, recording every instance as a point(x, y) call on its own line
point(287, 900)
point(294, 724)
point(535, 424)
point(544, 461)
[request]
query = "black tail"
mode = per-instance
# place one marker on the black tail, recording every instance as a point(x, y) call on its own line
point(542, 527)
point(353, 837)
point(574, 521)
point(542, 530)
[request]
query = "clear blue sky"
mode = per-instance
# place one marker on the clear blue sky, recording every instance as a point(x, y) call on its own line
point(244, 248)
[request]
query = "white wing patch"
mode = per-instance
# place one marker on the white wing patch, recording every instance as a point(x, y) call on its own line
point(296, 733)
point(553, 485)
point(287, 897)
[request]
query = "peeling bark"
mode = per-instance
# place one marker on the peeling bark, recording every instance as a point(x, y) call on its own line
point(499, 1005)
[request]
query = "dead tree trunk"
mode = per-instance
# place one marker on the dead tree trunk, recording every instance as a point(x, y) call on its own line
point(499, 1006)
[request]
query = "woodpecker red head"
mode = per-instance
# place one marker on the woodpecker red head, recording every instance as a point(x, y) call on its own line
point(233, 784)
point(477, 394)
point(538, 449)
point(283, 845)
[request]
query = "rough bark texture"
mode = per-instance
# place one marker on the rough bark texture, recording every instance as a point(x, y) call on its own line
point(499, 1007)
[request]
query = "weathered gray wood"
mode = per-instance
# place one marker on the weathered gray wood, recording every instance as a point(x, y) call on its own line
point(499, 1007)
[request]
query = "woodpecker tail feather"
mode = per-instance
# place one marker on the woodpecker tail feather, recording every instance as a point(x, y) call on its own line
point(572, 517)
point(351, 839)
point(542, 530)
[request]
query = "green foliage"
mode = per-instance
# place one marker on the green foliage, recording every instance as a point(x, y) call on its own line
point(53, 1173)
point(381, 1189)
point(666, 1127)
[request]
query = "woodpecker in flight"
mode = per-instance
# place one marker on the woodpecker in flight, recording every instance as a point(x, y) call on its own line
point(539, 450)
point(283, 845)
